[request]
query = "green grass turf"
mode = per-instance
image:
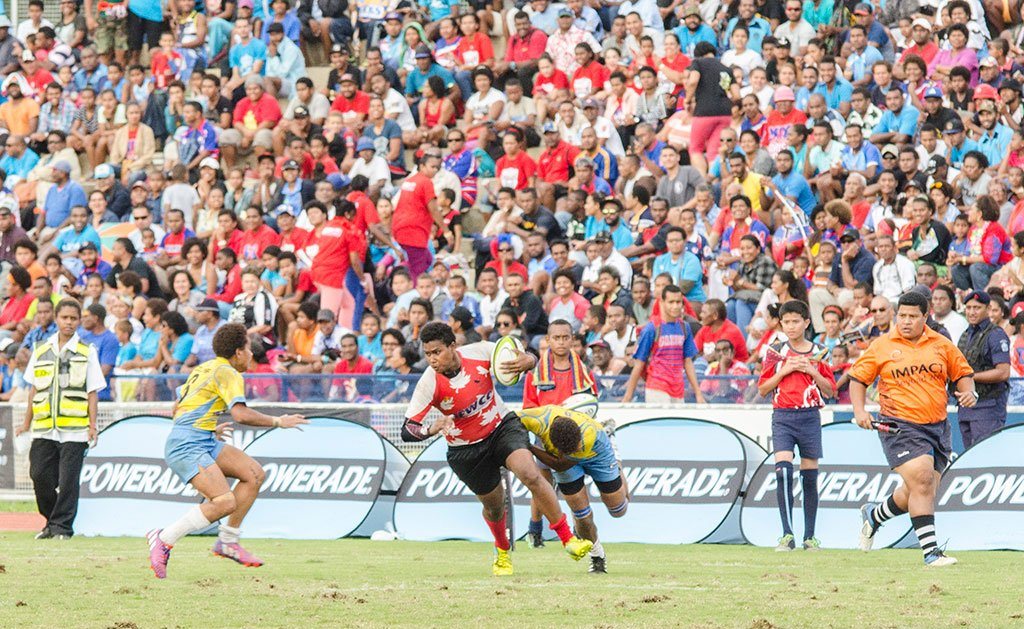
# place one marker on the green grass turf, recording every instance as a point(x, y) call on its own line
point(18, 506)
point(354, 583)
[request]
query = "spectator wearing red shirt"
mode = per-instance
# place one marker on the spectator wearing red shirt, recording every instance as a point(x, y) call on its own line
point(350, 98)
point(515, 169)
point(416, 214)
point(227, 233)
point(255, 117)
point(350, 362)
point(715, 326)
point(226, 260)
point(923, 46)
point(257, 235)
point(505, 262)
point(553, 165)
point(337, 267)
point(35, 76)
point(589, 79)
point(18, 298)
point(474, 49)
point(522, 52)
point(174, 239)
point(775, 131)
point(292, 238)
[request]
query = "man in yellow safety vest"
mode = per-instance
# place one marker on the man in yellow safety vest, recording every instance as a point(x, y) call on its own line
point(64, 376)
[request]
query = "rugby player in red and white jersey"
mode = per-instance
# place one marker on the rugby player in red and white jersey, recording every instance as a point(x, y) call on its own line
point(483, 436)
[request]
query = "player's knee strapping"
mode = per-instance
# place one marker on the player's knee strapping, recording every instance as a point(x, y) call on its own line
point(225, 501)
point(572, 487)
point(580, 514)
point(619, 510)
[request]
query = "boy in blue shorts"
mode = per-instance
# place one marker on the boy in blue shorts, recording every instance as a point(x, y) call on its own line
point(797, 375)
point(576, 445)
point(196, 455)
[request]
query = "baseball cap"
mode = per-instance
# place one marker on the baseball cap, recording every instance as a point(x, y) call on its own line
point(955, 126)
point(862, 8)
point(588, 103)
point(565, 12)
point(348, 78)
point(103, 171)
point(325, 314)
point(393, 15)
point(365, 144)
point(300, 111)
point(550, 127)
point(977, 295)
point(1016, 310)
point(338, 180)
point(62, 166)
point(933, 92)
point(208, 305)
point(290, 165)
point(245, 4)
point(142, 183)
point(5, 22)
point(985, 92)
point(989, 61)
point(850, 235)
point(922, 290)
point(422, 52)
point(338, 48)
point(285, 208)
point(602, 237)
point(783, 93)
point(912, 183)
point(692, 9)
point(600, 343)
point(987, 105)
point(88, 245)
point(7, 206)
point(922, 23)
point(782, 42)
point(209, 162)
point(890, 149)
point(936, 162)
point(27, 55)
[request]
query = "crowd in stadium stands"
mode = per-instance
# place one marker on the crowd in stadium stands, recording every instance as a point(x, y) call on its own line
point(175, 165)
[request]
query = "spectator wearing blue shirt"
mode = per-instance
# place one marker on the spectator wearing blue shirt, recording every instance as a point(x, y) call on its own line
point(791, 184)
point(693, 30)
point(425, 68)
point(457, 297)
point(853, 265)
point(287, 19)
point(862, 57)
point(94, 333)
point(994, 140)
point(898, 124)
point(863, 16)
point(18, 159)
point(61, 199)
point(44, 326)
point(684, 267)
point(758, 27)
point(836, 89)
point(247, 58)
point(859, 156)
point(79, 232)
point(208, 317)
point(958, 142)
point(175, 341)
point(92, 73)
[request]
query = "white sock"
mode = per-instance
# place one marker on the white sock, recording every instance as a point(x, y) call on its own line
point(192, 521)
point(597, 550)
point(228, 534)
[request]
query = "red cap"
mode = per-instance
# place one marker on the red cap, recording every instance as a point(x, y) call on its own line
point(1017, 309)
point(985, 92)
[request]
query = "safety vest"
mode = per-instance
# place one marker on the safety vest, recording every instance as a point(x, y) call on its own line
point(61, 400)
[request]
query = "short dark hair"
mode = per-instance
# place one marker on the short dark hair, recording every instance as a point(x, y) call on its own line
point(671, 288)
point(230, 338)
point(795, 306)
point(719, 307)
point(97, 310)
point(916, 300)
point(437, 331)
point(176, 322)
point(309, 309)
point(23, 278)
point(565, 435)
point(423, 303)
point(69, 303)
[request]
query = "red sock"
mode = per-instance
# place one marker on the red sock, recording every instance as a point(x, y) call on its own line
point(561, 528)
point(500, 533)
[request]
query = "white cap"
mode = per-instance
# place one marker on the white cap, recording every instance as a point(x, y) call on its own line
point(5, 22)
point(209, 162)
point(922, 22)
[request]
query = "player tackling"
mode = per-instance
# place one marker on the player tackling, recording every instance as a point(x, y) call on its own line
point(482, 434)
point(913, 365)
point(196, 455)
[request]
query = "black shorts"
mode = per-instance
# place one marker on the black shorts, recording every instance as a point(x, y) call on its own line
point(915, 440)
point(479, 464)
point(140, 29)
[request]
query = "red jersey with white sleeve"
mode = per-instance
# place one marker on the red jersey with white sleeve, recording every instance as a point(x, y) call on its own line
point(798, 389)
point(469, 398)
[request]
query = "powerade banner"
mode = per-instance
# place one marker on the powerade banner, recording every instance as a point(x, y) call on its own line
point(980, 502)
point(433, 504)
point(684, 477)
point(853, 472)
point(321, 481)
point(126, 487)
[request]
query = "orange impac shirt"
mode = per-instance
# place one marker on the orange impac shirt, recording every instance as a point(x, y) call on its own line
point(912, 375)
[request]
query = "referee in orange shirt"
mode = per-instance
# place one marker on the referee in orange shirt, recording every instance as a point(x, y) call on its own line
point(913, 365)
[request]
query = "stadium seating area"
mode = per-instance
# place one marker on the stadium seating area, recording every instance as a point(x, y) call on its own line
point(336, 174)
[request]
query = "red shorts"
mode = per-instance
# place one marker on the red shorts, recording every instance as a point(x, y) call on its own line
point(705, 132)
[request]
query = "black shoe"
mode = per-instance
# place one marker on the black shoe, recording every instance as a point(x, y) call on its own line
point(597, 566)
point(44, 534)
point(536, 540)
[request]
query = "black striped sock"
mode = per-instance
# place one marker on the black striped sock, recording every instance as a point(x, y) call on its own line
point(924, 526)
point(885, 511)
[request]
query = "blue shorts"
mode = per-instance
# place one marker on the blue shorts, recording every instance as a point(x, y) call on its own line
point(914, 440)
point(797, 428)
point(603, 467)
point(189, 449)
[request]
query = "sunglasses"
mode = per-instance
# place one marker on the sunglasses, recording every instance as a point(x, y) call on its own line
point(504, 250)
point(504, 324)
point(879, 310)
point(609, 211)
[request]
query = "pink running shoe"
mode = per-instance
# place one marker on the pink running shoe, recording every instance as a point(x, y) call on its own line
point(159, 553)
point(237, 553)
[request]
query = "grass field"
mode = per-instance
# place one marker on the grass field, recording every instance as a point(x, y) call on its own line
point(358, 583)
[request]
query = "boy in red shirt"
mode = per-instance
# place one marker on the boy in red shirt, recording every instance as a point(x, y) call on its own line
point(798, 377)
point(167, 63)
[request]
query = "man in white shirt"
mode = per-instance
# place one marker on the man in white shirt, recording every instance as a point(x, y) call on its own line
point(943, 300)
point(893, 273)
point(622, 332)
point(607, 135)
point(796, 30)
point(491, 299)
point(607, 255)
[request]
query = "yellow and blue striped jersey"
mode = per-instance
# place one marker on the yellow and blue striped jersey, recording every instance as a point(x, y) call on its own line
point(212, 388)
point(538, 421)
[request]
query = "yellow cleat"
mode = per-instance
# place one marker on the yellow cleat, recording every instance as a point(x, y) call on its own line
point(502, 563)
point(578, 548)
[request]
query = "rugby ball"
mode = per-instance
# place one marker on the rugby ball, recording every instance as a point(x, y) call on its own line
point(581, 402)
point(507, 348)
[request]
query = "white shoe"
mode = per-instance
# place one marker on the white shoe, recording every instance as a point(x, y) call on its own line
point(867, 530)
point(938, 559)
